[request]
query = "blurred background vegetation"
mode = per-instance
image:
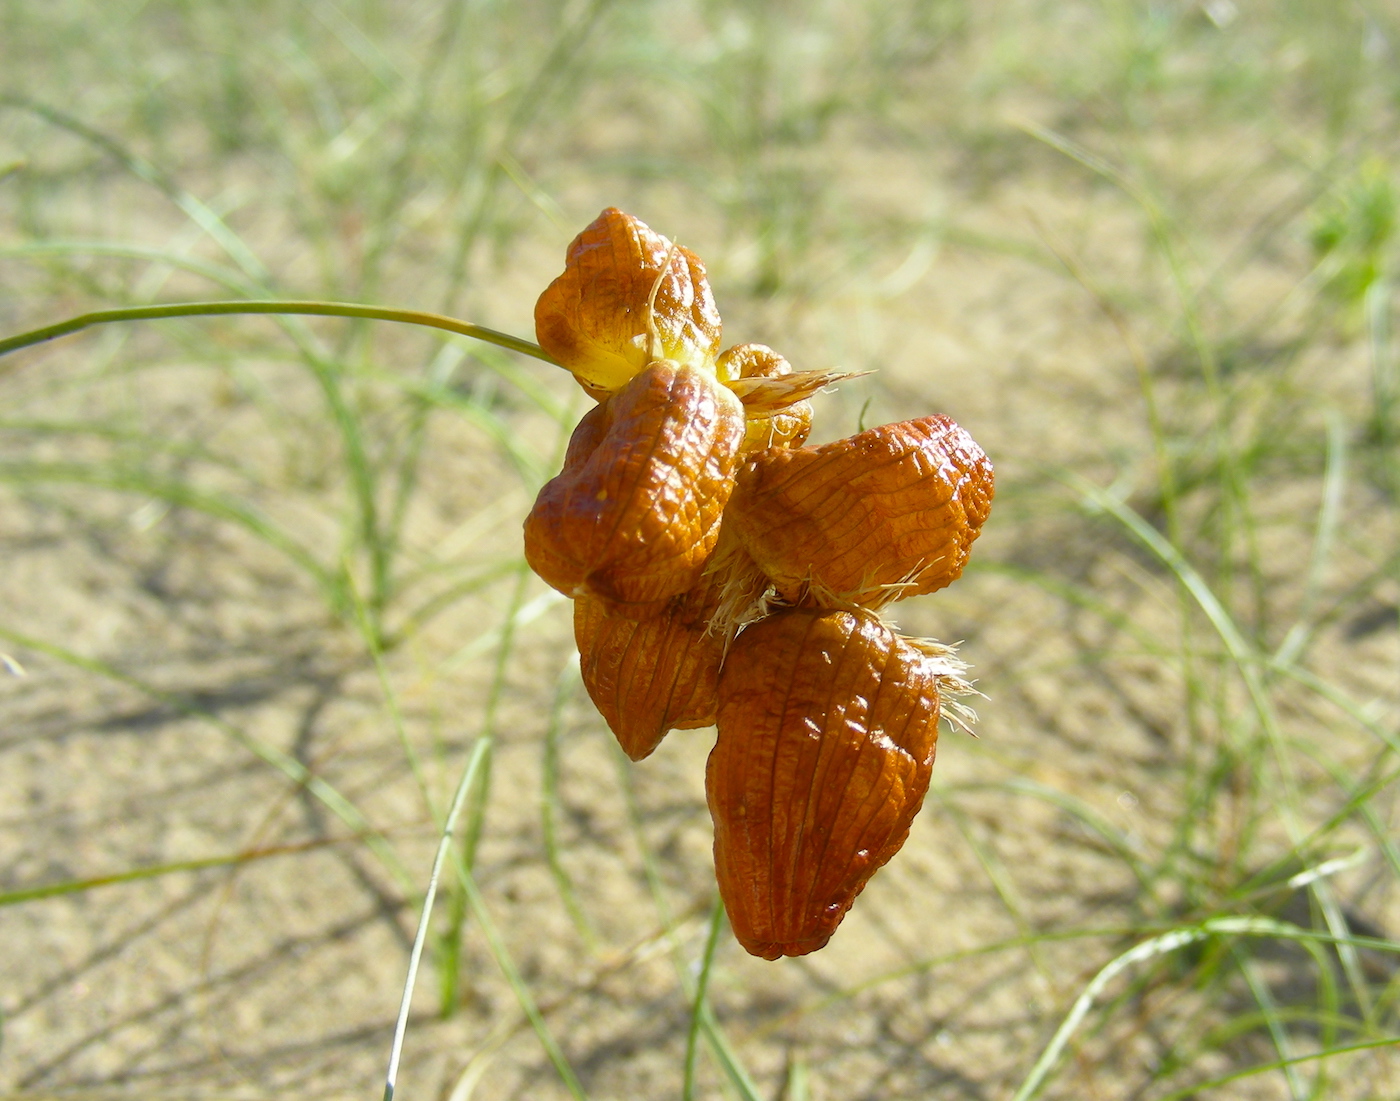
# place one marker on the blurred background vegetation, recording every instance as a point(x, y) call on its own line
point(263, 599)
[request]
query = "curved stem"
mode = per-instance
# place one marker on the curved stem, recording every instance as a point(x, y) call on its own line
point(325, 309)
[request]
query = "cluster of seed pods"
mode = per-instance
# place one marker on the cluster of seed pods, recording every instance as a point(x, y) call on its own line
point(724, 574)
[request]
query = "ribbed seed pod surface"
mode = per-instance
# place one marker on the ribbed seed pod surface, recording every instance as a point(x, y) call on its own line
point(827, 727)
point(593, 319)
point(785, 427)
point(885, 514)
point(649, 676)
point(633, 517)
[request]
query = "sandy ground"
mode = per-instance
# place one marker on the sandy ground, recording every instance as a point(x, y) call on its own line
point(280, 975)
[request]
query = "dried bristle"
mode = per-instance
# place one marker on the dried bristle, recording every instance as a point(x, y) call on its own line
point(770, 394)
point(746, 594)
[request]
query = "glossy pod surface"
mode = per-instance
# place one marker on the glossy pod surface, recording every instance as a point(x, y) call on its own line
point(827, 727)
point(885, 514)
point(636, 511)
point(593, 318)
point(652, 675)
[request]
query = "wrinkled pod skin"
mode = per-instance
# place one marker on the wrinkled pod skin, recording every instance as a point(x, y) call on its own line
point(636, 511)
point(886, 514)
point(649, 676)
point(593, 318)
point(828, 722)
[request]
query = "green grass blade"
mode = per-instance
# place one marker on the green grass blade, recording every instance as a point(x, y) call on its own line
point(289, 766)
point(564, 689)
point(517, 983)
point(1278, 1064)
point(156, 871)
point(699, 1003)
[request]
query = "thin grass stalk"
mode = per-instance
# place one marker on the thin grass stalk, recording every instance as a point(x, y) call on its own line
point(399, 170)
point(370, 635)
point(157, 871)
point(1078, 809)
point(517, 983)
point(1001, 883)
point(720, 1047)
point(1159, 945)
point(1383, 380)
point(363, 477)
point(184, 495)
point(289, 766)
point(698, 1003)
point(481, 788)
point(376, 543)
point(1278, 1033)
point(566, 52)
point(225, 277)
point(415, 956)
point(1329, 516)
point(1248, 667)
point(1278, 1064)
point(198, 213)
point(564, 689)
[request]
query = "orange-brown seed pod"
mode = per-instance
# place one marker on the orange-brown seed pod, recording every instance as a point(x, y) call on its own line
point(636, 511)
point(885, 514)
point(766, 427)
point(827, 728)
point(653, 675)
point(593, 319)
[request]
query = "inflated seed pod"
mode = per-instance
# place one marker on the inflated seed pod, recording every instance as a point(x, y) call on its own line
point(885, 514)
point(594, 318)
point(827, 728)
point(636, 511)
point(650, 676)
point(766, 427)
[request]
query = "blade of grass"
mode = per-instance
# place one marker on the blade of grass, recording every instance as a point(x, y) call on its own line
point(184, 495)
point(479, 796)
point(699, 1002)
point(155, 871)
point(517, 983)
point(565, 687)
point(289, 766)
point(1278, 1064)
point(1328, 519)
point(464, 785)
point(1159, 945)
point(144, 170)
point(215, 273)
point(720, 1048)
point(1278, 1032)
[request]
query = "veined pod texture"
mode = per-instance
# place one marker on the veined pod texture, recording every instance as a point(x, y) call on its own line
point(828, 722)
point(636, 511)
point(888, 513)
point(597, 318)
point(652, 675)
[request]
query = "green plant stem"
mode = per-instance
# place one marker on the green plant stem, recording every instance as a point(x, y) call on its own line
point(304, 308)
